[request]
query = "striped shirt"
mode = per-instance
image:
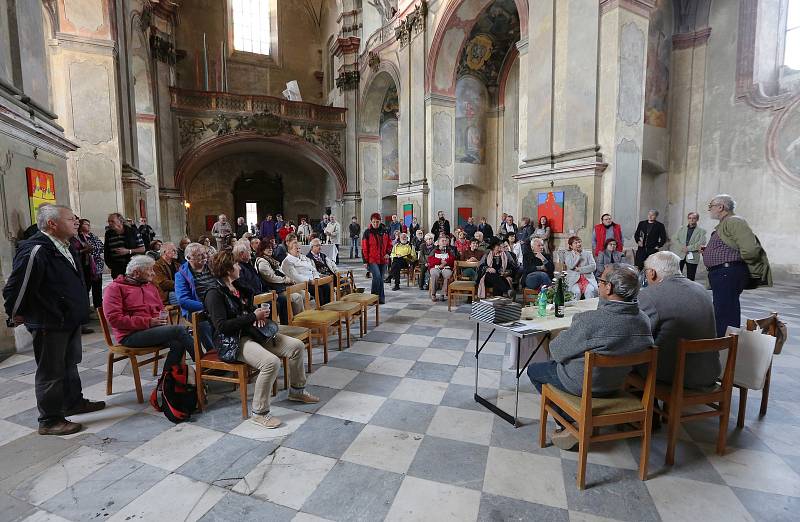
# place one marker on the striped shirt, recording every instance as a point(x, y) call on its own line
point(717, 252)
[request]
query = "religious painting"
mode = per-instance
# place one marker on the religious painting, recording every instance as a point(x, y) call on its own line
point(464, 213)
point(471, 106)
point(551, 205)
point(479, 49)
point(408, 214)
point(41, 190)
point(493, 33)
point(210, 220)
point(659, 46)
point(390, 158)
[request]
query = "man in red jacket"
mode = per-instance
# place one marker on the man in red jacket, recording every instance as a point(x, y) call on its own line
point(606, 229)
point(375, 249)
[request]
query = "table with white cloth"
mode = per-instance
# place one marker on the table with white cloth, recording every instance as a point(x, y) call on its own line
point(527, 341)
point(330, 251)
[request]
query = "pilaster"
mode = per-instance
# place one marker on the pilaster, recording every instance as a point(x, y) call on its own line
point(346, 48)
point(440, 157)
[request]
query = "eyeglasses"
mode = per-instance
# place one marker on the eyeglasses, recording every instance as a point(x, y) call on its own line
point(712, 205)
point(600, 279)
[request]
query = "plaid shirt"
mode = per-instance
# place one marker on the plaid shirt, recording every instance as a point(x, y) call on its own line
point(717, 252)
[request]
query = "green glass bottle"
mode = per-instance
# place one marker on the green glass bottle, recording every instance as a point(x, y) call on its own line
point(558, 296)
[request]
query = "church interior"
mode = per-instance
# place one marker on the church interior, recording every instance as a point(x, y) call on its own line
point(178, 111)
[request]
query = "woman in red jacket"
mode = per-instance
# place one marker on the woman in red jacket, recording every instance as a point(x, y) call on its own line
point(134, 310)
point(375, 249)
point(440, 265)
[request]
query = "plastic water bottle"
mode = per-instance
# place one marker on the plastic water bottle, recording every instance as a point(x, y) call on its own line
point(542, 302)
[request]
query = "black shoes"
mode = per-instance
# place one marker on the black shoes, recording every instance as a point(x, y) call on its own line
point(64, 427)
point(85, 406)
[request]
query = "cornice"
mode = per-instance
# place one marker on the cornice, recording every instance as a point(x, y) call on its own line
point(689, 40)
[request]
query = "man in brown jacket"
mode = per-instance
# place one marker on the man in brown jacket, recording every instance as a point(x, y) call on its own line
point(165, 269)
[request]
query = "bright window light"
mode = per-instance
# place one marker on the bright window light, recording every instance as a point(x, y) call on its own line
point(251, 211)
point(251, 25)
point(791, 48)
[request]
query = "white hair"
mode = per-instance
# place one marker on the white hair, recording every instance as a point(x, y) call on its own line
point(727, 202)
point(664, 263)
point(316, 241)
point(139, 263)
point(48, 212)
point(429, 236)
point(535, 240)
point(241, 247)
point(192, 249)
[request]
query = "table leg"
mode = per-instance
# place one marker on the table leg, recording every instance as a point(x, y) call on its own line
point(516, 399)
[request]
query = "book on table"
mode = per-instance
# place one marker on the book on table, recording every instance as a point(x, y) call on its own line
point(496, 310)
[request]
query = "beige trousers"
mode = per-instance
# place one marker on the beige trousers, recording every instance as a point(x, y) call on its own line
point(266, 359)
point(445, 274)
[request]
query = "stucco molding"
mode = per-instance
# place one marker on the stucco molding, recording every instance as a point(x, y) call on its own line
point(641, 7)
point(783, 172)
point(690, 40)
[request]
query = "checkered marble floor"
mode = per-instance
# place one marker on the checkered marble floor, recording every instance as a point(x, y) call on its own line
point(396, 435)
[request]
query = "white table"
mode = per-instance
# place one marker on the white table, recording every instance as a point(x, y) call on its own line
point(330, 251)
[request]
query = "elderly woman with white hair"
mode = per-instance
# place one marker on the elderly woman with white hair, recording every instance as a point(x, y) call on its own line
point(299, 268)
point(425, 250)
point(537, 266)
point(402, 256)
point(133, 308)
point(580, 270)
point(248, 275)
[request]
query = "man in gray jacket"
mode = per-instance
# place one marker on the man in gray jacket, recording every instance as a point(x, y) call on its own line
point(617, 327)
point(678, 309)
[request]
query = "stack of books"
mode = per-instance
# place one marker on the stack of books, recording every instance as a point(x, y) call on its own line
point(496, 310)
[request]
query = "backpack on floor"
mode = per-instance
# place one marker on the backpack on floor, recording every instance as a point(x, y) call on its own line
point(175, 396)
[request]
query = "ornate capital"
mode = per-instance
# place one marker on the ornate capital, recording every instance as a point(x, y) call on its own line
point(347, 45)
point(374, 60)
point(412, 24)
point(348, 80)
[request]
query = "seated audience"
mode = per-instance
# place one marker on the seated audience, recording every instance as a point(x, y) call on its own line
point(425, 251)
point(231, 311)
point(537, 266)
point(324, 265)
point(462, 243)
point(206, 242)
point(254, 244)
point(474, 255)
point(165, 269)
point(440, 266)
point(617, 327)
point(514, 246)
point(192, 281)
point(248, 275)
point(580, 270)
point(279, 252)
point(274, 280)
point(496, 271)
point(608, 256)
point(136, 314)
point(155, 249)
point(678, 308)
point(417, 239)
point(182, 249)
point(402, 256)
point(482, 244)
point(299, 268)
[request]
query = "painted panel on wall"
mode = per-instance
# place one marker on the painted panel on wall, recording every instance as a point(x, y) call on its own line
point(551, 205)
point(390, 159)
point(471, 105)
point(464, 213)
point(408, 214)
point(41, 190)
point(631, 71)
point(658, 53)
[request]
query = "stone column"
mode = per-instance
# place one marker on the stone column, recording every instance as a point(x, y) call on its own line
point(623, 59)
point(441, 117)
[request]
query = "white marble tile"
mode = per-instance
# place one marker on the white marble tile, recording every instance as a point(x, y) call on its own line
point(332, 377)
point(28, 378)
point(491, 348)
point(579, 516)
point(679, 499)
point(120, 384)
point(368, 348)
point(393, 327)
point(290, 421)
point(384, 448)
point(174, 498)
point(390, 366)
point(433, 355)
point(456, 333)
point(465, 375)
point(63, 474)
point(172, 448)
point(44, 516)
point(615, 454)
point(15, 359)
point(11, 431)
point(287, 477)
point(417, 390)
point(757, 470)
point(464, 425)
point(410, 312)
point(17, 403)
point(100, 420)
point(529, 403)
point(432, 321)
point(525, 476)
point(414, 340)
point(358, 407)
point(425, 500)
point(782, 440)
point(305, 517)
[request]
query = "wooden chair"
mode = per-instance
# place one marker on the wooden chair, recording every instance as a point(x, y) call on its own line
point(676, 398)
point(409, 273)
point(529, 295)
point(345, 283)
point(347, 310)
point(365, 300)
point(591, 413)
point(315, 320)
point(298, 332)
point(117, 352)
point(460, 286)
point(769, 325)
point(263, 298)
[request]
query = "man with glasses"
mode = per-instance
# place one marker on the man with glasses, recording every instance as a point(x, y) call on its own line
point(686, 244)
point(733, 257)
point(192, 281)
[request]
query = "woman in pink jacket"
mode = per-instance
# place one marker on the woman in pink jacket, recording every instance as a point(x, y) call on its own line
point(134, 310)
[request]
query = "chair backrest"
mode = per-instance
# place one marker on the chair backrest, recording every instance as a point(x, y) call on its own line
point(321, 281)
point(461, 265)
point(174, 313)
point(271, 298)
point(196, 318)
point(529, 295)
point(344, 281)
point(104, 326)
point(703, 346)
point(592, 360)
point(769, 324)
point(299, 288)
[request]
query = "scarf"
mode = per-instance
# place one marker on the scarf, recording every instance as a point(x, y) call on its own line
point(503, 265)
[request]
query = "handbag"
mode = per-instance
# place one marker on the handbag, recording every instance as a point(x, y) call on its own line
point(227, 347)
point(265, 333)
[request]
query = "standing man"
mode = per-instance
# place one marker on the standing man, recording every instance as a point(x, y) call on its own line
point(303, 231)
point(146, 231)
point(121, 243)
point(687, 242)
point(241, 228)
point(278, 222)
point(46, 292)
point(441, 226)
point(525, 231)
point(485, 229)
point(604, 231)
point(222, 232)
point(394, 226)
point(733, 257)
point(334, 234)
point(412, 230)
point(375, 249)
point(650, 235)
point(355, 233)
point(268, 228)
point(470, 228)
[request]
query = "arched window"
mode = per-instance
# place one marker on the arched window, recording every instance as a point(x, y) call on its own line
point(252, 25)
point(791, 42)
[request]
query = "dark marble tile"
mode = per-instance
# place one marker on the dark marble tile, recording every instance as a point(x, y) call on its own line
point(496, 508)
point(227, 460)
point(374, 384)
point(324, 435)
point(404, 415)
point(432, 371)
point(450, 461)
point(766, 506)
point(242, 508)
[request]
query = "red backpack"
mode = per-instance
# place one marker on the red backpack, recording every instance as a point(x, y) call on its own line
point(175, 396)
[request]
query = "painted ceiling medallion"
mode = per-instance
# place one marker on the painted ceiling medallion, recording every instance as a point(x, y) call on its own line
point(479, 50)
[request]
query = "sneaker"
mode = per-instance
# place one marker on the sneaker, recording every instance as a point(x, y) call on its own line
point(302, 396)
point(85, 406)
point(63, 427)
point(265, 421)
point(564, 440)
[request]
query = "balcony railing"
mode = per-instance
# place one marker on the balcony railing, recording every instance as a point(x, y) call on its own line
point(189, 100)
